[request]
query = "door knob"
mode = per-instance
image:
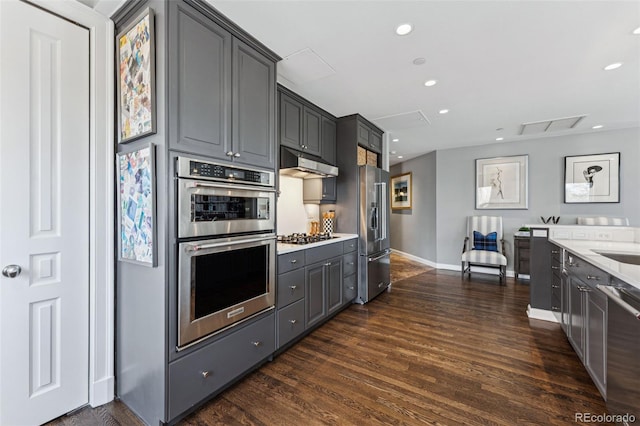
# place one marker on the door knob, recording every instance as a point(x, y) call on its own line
point(11, 271)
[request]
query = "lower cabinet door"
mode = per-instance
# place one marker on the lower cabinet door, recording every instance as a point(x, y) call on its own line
point(596, 330)
point(290, 322)
point(334, 284)
point(201, 373)
point(315, 294)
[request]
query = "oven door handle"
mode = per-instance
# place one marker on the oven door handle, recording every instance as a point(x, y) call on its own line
point(198, 247)
point(199, 184)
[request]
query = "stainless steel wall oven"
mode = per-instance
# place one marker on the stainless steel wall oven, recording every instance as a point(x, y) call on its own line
point(226, 246)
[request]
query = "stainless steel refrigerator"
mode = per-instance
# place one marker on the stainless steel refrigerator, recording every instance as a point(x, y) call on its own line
point(374, 275)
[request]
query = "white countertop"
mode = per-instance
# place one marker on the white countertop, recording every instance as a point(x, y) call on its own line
point(585, 250)
point(337, 238)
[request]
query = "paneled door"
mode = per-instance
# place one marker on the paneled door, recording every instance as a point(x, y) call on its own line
point(44, 215)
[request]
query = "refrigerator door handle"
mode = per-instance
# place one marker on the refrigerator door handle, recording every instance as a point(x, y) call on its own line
point(384, 200)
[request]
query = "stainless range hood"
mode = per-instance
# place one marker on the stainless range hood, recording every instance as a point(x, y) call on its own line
point(301, 165)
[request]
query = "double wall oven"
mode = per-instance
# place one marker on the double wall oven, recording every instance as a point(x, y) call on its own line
point(226, 246)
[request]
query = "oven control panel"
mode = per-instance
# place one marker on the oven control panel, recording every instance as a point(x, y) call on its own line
point(223, 172)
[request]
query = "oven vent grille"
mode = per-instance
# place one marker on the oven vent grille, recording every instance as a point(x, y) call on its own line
point(552, 125)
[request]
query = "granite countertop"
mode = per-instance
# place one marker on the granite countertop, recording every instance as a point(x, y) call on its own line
point(337, 238)
point(586, 249)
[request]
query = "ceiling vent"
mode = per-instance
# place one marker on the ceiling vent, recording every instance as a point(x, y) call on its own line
point(552, 125)
point(405, 120)
point(304, 66)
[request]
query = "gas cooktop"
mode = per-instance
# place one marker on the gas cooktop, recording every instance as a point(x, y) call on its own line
point(303, 238)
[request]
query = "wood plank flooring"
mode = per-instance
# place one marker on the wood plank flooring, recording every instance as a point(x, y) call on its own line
point(434, 350)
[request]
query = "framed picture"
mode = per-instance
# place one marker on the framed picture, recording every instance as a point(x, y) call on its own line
point(592, 178)
point(502, 183)
point(136, 206)
point(136, 79)
point(401, 192)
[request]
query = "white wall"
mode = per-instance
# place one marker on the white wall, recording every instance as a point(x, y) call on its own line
point(292, 215)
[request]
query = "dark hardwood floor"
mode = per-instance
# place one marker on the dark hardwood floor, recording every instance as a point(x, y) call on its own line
point(434, 350)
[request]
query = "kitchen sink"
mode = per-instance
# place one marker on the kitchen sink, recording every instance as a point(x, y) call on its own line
point(632, 259)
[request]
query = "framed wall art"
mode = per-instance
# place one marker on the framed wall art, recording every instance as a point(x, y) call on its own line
point(502, 182)
point(592, 178)
point(401, 192)
point(136, 206)
point(136, 79)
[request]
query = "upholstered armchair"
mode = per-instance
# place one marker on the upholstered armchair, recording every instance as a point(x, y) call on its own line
point(484, 245)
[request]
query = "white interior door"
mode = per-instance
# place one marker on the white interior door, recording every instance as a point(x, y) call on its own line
point(44, 215)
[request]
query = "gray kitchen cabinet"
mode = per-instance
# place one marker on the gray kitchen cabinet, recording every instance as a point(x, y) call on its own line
point(328, 135)
point(290, 122)
point(254, 98)
point(334, 284)
point(290, 287)
point(556, 278)
point(349, 271)
point(565, 300)
point(201, 373)
point(222, 103)
point(588, 318)
point(200, 65)
point(369, 137)
point(319, 191)
point(290, 322)
point(596, 339)
point(315, 294)
point(312, 126)
point(540, 272)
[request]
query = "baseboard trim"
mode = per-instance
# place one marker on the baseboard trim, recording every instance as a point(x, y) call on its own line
point(541, 314)
point(102, 391)
point(415, 258)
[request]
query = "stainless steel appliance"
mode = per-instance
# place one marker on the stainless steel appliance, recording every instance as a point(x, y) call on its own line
point(302, 165)
point(219, 199)
point(226, 246)
point(623, 347)
point(222, 281)
point(374, 251)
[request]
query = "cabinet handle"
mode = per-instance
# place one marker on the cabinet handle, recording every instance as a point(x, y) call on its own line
point(352, 288)
point(380, 285)
point(327, 264)
point(555, 308)
point(293, 287)
point(555, 286)
point(293, 321)
point(555, 252)
point(206, 374)
point(350, 263)
point(294, 261)
point(584, 289)
point(229, 153)
point(256, 344)
point(237, 155)
point(593, 277)
point(555, 267)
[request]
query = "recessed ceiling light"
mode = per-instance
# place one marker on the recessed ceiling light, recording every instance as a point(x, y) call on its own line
point(598, 126)
point(430, 83)
point(613, 66)
point(400, 156)
point(637, 31)
point(395, 140)
point(443, 111)
point(419, 61)
point(403, 29)
point(499, 139)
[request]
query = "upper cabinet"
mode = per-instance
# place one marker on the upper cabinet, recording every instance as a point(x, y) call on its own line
point(222, 92)
point(305, 127)
point(369, 137)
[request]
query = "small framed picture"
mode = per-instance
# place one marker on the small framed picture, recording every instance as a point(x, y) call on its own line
point(592, 178)
point(401, 192)
point(136, 79)
point(502, 183)
point(136, 206)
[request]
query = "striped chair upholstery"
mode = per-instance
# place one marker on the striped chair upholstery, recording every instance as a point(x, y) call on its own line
point(603, 220)
point(473, 257)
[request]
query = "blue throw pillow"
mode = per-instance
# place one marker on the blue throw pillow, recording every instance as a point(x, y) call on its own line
point(485, 242)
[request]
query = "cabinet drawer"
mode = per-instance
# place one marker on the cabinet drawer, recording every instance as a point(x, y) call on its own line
point(318, 254)
point(350, 288)
point(290, 261)
point(585, 271)
point(221, 362)
point(290, 287)
point(350, 263)
point(556, 291)
point(350, 245)
point(290, 322)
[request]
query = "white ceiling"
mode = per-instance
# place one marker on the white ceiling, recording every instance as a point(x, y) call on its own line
point(498, 64)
